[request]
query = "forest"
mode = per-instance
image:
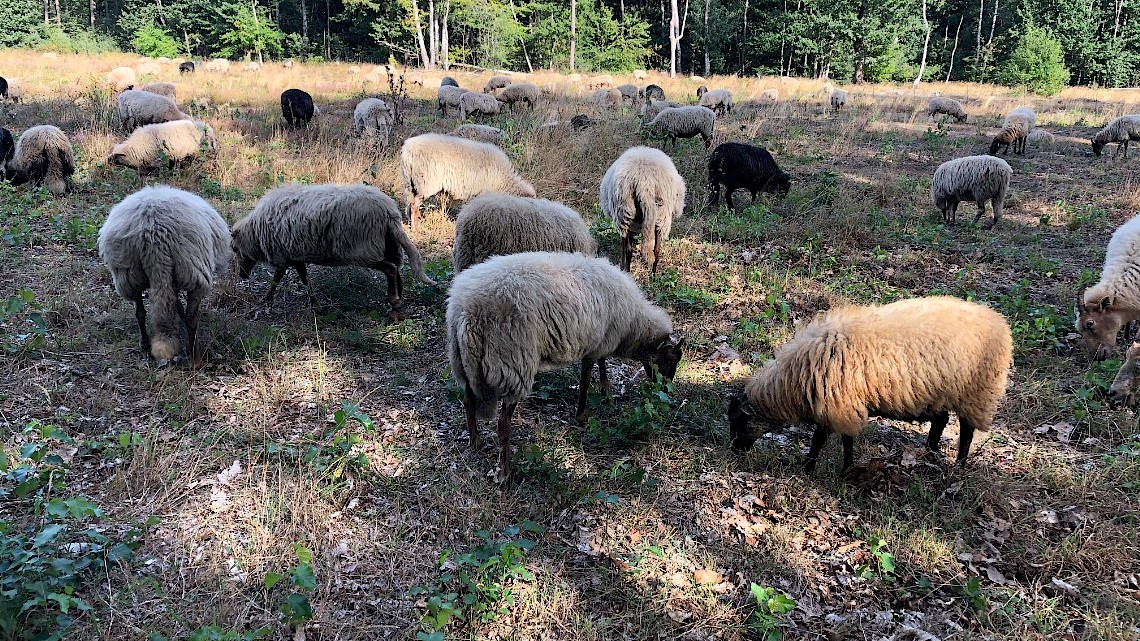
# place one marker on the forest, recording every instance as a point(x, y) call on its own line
point(1041, 45)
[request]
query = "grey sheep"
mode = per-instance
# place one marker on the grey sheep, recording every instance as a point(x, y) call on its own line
point(642, 193)
point(973, 178)
point(333, 225)
point(949, 106)
point(43, 155)
point(685, 122)
point(719, 100)
point(1120, 131)
point(606, 97)
point(653, 107)
point(654, 92)
point(478, 104)
point(629, 92)
point(501, 224)
point(166, 89)
point(838, 99)
point(173, 142)
point(519, 92)
point(514, 316)
point(372, 117)
point(167, 241)
point(482, 133)
point(138, 108)
point(496, 82)
point(448, 96)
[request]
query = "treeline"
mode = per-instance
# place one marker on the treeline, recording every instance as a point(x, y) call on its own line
point(1041, 44)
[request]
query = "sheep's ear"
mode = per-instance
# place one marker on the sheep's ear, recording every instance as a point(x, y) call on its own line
point(1105, 303)
point(1081, 299)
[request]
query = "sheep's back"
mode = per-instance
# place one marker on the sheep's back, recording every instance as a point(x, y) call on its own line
point(500, 224)
point(463, 168)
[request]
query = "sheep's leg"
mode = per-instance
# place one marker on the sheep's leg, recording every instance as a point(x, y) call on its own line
point(603, 377)
point(657, 242)
point(981, 210)
point(1125, 147)
point(584, 389)
point(472, 421)
point(395, 286)
point(278, 274)
point(817, 440)
point(414, 221)
point(626, 253)
point(504, 433)
point(140, 316)
point(965, 438)
point(934, 437)
point(303, 274)
point(192, 316)
point(848, 451)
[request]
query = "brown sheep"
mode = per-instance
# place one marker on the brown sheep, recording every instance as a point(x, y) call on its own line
point(1014, 133)
point(1114, 301)
point(914, 360)
point(1124, 386)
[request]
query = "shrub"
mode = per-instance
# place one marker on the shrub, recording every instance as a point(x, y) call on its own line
point(1037, 63)
point(152, 41)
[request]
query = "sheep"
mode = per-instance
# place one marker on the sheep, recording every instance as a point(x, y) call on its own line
point(448, 81)
point(333, 225)
point(514, 316)
point(482, 133)
point(496, 82)
point(121, 78)
point(7, 151)
point(606, 97)
point(1114, 301)
point(165, 89)
point(630, 92)
point(167, 241)
point(598, 82)
point(175, 142)
point(740, 166)
point(437, 163)
point(515, 93)
point(373, 117)
point(217, 65)
point(719, 100)
point(3, 88)
point(1014, 133)
point(42, 154)
point(913, 360)
point(138, 108)
point(1042, 138)
point(654, 92)
point(580, 122)
point(1120, 131)
point(186, 67)
point(770, 95)
point(642, 193)
point(254, 66)
point(976, 178)
point(15, 90)
point(500, 224)
point(148, 69)
point(652, 107)
point(939, 105)
point(297, 107)
point(701, 91)
point(838, 99)
point(639, 74)
point(474, 103)
point(685, 122)
point(448, 96)
point(354, 69)
point(1023, 112)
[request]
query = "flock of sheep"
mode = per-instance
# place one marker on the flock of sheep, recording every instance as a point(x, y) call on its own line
point(529, 294)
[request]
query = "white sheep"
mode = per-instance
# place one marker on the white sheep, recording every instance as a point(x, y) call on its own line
point(448, 96)
point(167, 241)
point(437, 163)
point(642, 193)
point(1114, 301)
point(770, 95)
point(43, 154)
point(519, 92)
point(1042, 138)
point(630, 92)
point(949, 106)
point(838, 99)
point(372, 117)
point(173, 142)
point(148, 69)
point(513, 316)
point(719, 100)
point(121, 78)
point(482, 133)
point(1119, 131)
point(640, 74)
point(166, 89)
point(138, 108)
point(1024, 113)
point(496, 82)
point(598, 82)
point(334, 225)
point(217, 65)
point(685, 122)
point(972, 178)
point(479, 104)
point(501, 224)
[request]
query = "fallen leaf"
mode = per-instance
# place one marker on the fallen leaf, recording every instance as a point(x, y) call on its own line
point(995, 575)
point(707, 577)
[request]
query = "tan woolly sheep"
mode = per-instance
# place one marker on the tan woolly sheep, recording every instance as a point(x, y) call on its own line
point(217, 65)
point(651, 108)
point(1114, 301)
point(148, 69)
point(1119, 131)
point(519, 92)
point(165, 89)
point(598, 82)
point(472, 103)
point(914, 360)
point(173, 142)
point(121, 78)
point(838, 99)
point(642, 193)
point(719, 100)
point(482, 133)
point(1122, 393)
point(138, 108)
point(500, 224)
point(972, 178)
point(43, 154)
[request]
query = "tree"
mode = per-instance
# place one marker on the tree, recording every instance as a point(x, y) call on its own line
point(153, 41)
point(245, 33)
point(1037, 63)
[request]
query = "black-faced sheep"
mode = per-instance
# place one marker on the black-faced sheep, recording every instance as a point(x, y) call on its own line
point(186, 67)
point(719, 100)
point(1120, 131)
point(472, 103)
point(448, 96)
point(701, 91)
point(500, 224)
point(173, 142)
point(838, 99)
point(642, 193)
point(482, 133)
point(519, 92)
point(333, 225)
point(654, 92)
point(496, 82)
point(1015, 133)
point(121, 78)
point(580, 122)
point(914, 360)
point(43, 154)
point(373, 118)
point(685, 122)
point(297, 107)
point(7, 151)
point(514, 316)
point(437, 163)
point(949, 106)
point(166, 89)
point(972, 178)
point(448, 81)
point(138, 108)
point(1114, 301)
point(741, 166)
point(167, 241)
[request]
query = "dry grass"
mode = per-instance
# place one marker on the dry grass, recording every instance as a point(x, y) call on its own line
point(857, 226)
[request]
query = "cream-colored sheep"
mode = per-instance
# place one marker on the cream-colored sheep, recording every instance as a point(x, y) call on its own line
point(501, 224)
point(138, 108)
point(1114, 301)
point(217, 65)
point(496, 82)
point(973, 178)
point(838, 99)
point(473, 103)
point(172, 142)
point(373, 118)
point(148, 69)
point(601, 81)
point(606, 97)
point(719, 100)
point(949, 106)
point(642, 193)
point(121, 78)
point(482, 133)
point(165, 89)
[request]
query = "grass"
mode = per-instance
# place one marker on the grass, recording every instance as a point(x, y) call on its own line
point(643, 530)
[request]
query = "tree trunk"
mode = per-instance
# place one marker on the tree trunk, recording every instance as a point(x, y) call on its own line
point(573, 32)
point(925, 46)
point(444, 56)
point(706, 43)
point(257, 26)
point(978, 51)
point(328, 44)
point(91, 11)
point(622, 4)
point(744, 40)
point(304, 30)
point(424, 59)
point(954, 51)
point(433, 34)
point(58, 16)
point(674, 39)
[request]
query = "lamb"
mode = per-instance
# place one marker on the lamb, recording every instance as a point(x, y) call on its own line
point(515, 93)
point(741, 166)
point(334, 225)
point(138, 108)
point(437, 163)
point(642, 193)
point(630, 92)
point(482, 133)
point(43, 154)
point(514, 316)
point(500, 224)
point(606, 97)
point(685, 122)
point(654, 92)
point(474, 103)
point(165, 89)
point(1114, 301)
point(448, 96)
point(496, 82)
point(186, 67)
point(949, 106)
point(976, 178)
point(173, 142)
point(372, 117)
point(297, 107)
point(719, 100)
point(448, 81)
point(838, 99)
point(914, 360)
point(167, 241)
point(1119, 131)
point(1014, 133)
point(770, 95)
point(121, 78)
point(217, 65)
point(652, 107)
point(599, 82)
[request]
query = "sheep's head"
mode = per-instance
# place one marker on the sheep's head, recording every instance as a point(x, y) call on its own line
point(740, 414)
point(1098, 146)
point(701, 90)
point(245, 254)
point(665, 357)
point(960, 116)
point(1127, 379)
point(1098, 323)
point(781, 184)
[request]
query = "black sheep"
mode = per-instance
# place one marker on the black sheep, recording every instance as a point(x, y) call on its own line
point(653, 92)
point(581, 121)
point(701, 91)
point(448, 81)
point(186, 67)
point(297, 107)
point(739, 166)
point(7, 150)
point(3, 90)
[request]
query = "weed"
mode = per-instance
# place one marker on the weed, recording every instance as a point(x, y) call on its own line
point(669, 288)
point(333, 455)
point(22, 324)
point(884, 562)
point(642, 417)
point(772, 606)
point(295, 608)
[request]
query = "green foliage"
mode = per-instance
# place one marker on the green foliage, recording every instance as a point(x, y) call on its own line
point(884, 562)
point(295, 607)
point(772, 607)
point(246, 32)
point(639, 418)
point(334, 454)
point(151, 40)
point(1034, 326)
point(22, 20)
point(22, 324)
point(1037, 63)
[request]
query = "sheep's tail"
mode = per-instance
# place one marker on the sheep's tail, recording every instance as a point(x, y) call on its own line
point(415, 261)
point(164, 315)
point(645, 204)
point(465, 347)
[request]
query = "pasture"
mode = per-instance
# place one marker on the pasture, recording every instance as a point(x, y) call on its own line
point(319, 459)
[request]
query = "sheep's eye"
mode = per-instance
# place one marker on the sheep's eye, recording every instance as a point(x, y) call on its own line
point(1089, 324)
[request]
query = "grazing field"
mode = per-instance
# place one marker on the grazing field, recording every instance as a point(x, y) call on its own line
point(319, 458)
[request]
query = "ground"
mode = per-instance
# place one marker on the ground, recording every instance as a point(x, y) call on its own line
point(319, 458)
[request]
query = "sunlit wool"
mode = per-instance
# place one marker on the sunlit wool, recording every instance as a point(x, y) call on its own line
point(685, 122)
point(138, 108)
point(948, 106)
point(976, 179)
point(1114, 300)
point(1120, 131)
point(500, 224)
point(642, 193)
point(150, 146)
point(719, 100)
point(42, 155)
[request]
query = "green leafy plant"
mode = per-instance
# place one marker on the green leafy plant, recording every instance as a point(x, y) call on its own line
point(1037, 63)
point(153, 41)
point(772, 607)
point(639, 418)
point(884, 562)
point(670, 288)
point(334, 454)
point(295, 608)
point(22, 324)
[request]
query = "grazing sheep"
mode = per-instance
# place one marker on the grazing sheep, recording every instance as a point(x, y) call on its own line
point(333, 225)
point(1014, 133)
point(939, 105)
point(42, 155)
point(642, 193)
point(598, 82)
point(1119, 131)
point(654, 92)
point(472, 103)
point(685, 122)
point(165, 89)
point(514, 316)
point(172, 142)
point(1023, 112)
point(1122, 393)
point(15, 90)
point(838, 99)
point(7, 151)
point(437, 163)
point(701, 91)
point(186, 67)
point(254, 66)
point(652, 107)
point(500, 224)
point(914, 360)
point(148, 69)
point(217, 65)
point(448, 81)
point(740, 166)
point(372, 117)
point(1041, 138)
point(297, 107)
point(606, 97)
point(354, 69)
point(719, 100)
point(580, 122)
point(138, 108)
point(639, 74)
point(482, 133)
point(770, 95)
point(167, 241)
point(496, 82)
point(972, 178)
point(448, 96)
point(629, 92)
point(515, 93)
point(121, 78)
point(3, 88)
point(1114, 301)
